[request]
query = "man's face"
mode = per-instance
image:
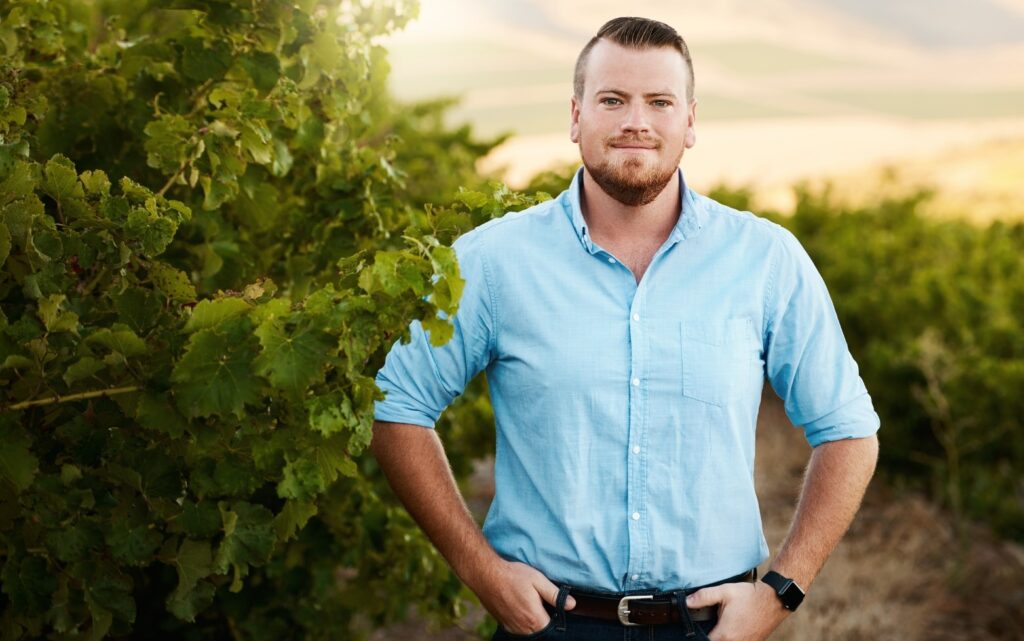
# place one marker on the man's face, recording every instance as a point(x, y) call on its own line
point(633, 121)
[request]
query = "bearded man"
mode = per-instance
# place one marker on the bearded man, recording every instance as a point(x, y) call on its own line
point(627, 328)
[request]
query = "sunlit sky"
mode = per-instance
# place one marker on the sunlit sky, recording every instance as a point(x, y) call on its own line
point(786, 88)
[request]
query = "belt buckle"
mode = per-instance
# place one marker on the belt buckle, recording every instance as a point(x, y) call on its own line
point(623, 609)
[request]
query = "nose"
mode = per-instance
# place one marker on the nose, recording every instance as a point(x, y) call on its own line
point(635, 119)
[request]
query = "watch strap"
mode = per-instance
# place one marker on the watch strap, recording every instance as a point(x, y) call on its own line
point(790, 594)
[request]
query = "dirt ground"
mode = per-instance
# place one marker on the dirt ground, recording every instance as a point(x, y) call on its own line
point(898, 575)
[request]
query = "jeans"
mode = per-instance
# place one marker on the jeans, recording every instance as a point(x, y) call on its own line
point(580, 628)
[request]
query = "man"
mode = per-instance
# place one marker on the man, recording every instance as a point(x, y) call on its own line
point(627, 328)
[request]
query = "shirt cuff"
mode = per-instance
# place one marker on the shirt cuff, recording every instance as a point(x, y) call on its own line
point(856, 419)
point(392, 413)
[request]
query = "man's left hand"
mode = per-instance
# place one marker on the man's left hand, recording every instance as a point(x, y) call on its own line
point(747, 611)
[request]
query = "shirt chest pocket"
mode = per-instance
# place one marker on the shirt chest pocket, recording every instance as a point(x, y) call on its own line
point(721, 360)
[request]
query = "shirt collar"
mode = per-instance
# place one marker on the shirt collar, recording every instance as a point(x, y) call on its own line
point(691, 220)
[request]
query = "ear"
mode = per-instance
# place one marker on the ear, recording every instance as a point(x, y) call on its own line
point(574, 120)
point(691, 121)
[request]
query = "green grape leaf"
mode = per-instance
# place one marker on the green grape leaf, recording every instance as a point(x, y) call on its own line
point(112, 591)
point(133, 545)
point(20, 183)
point(292, 362)
point(472, 199)
point(331, 413)
point(74, 542)
point(70, 473)
point(200, 63)
point(167, 142)
point(160, 476)
point(448, 288)
point(82, 368)
point(151, 231)
point(283, 159)
point(61, 180)
point(440, 330)
point(139, 308)
point(16, 362)
point(200, 519)
point(234, 478)
point(394, 272)
point(323, 55)
point(102, 620)
point(194, 562)
point(258, 141)
point(53, 318)
point(210, 313)
point(217, 190)
point(172, 283)
point(120, 339)
point(115, 208)
point(264, 68)
point(17, 464)
point(313, 472)
point(215, 375)
point(96, 182)
point(292, 518)
point(28, 583)
point(333, 460)
point(249, 539)
point(301, 479)
point(154, 413)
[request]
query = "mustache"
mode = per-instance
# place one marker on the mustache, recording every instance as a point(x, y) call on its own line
point(633, 140)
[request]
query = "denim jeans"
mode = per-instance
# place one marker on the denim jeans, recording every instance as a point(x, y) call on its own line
point(580, 628)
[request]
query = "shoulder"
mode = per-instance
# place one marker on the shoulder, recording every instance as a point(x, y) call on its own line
point(719, 213)
point(770, 235)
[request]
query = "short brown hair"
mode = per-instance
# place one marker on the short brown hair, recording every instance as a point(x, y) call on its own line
point(635, 33)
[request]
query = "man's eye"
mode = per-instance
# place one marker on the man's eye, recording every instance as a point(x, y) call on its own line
point(609, 101)
point(662, 103)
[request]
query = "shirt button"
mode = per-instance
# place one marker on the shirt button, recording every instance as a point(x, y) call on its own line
point(636, 516)
point(636, 317)
point(636, 449)
point(611, 260)
point(636, 382)
point(635, 577)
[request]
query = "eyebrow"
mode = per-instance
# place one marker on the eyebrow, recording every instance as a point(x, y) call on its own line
point(653, 94)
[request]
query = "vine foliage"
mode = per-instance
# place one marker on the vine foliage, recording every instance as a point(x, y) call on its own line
point(212, 228)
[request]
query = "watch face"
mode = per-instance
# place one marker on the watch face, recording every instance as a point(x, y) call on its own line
point(791, 594)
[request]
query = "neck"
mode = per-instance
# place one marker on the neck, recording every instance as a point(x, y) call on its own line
point(613, 222)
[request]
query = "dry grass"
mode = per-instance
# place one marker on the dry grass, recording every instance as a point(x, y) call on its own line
point(899, 574)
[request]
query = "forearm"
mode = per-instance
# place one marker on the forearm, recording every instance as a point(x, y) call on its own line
point(835, 482)
point(414, 462)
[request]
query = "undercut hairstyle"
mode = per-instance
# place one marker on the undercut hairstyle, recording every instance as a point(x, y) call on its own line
point(635, 33)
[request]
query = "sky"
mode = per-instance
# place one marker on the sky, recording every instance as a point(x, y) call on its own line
point(786, 89)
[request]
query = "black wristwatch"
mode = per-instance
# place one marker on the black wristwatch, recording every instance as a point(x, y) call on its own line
point(791, 594)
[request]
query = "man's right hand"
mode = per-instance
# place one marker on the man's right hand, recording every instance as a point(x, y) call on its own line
point(514, 593)
point(417, 468)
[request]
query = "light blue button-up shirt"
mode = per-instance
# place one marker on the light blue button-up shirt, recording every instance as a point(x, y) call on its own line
point(626, 411)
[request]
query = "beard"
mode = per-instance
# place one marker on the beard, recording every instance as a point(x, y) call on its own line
point(631, 180)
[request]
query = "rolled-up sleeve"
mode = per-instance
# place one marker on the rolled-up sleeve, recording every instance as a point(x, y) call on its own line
point(420, 380)
point(807, 360)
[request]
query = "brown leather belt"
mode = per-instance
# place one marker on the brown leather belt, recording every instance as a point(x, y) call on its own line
point(645, 609)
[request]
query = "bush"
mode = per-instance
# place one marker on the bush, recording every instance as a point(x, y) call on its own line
point(213, 225)
point(931, 309)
